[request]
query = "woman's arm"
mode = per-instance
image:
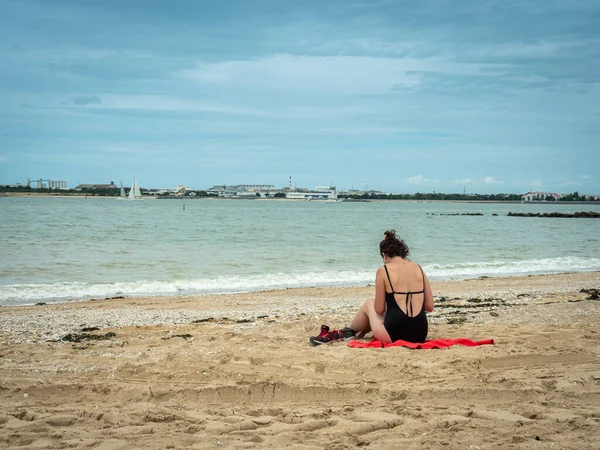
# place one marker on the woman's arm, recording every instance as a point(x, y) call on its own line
point(428, 300)
point(380, 291)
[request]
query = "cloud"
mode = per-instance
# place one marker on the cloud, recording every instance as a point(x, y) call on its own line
point(420, 180)
point(585, 177)
point(491, 180)
point(331, 74)
point(464, 181)
point(3, 159)
point(571, 183)
point(83, 101)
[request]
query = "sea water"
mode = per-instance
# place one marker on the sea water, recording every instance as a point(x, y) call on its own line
point(65, 249)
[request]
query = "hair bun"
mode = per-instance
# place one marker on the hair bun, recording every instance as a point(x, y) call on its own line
point(390, 235)
point(392, 246)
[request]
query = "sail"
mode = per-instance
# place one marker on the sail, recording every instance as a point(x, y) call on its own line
point(134, 192)
point(122, 191)
point(137, 192)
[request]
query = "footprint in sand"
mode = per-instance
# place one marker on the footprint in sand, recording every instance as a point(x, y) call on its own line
point(499, 415)
point(61, 421)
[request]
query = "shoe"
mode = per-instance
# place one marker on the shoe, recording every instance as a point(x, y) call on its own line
point(348, 333)
point(326, 336)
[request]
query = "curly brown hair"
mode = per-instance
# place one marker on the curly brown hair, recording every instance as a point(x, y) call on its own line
point(393, 246)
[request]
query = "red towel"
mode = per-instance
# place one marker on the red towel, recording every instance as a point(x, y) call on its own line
point(434, 343)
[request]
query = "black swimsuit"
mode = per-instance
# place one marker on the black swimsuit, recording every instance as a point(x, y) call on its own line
point(399, 324)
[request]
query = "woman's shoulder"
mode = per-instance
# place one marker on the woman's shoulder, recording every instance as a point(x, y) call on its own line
point(413, 268)
point(415, 265)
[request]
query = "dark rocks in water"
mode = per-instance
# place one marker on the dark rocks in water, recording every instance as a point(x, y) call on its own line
point(40, 304)
point(455, 214)
point(494, 214)
point(582, 214)
point(474, 300)
point(441, 300)
point(114, 298)
point(494, 314)
point(81, 337)
point(88, 329)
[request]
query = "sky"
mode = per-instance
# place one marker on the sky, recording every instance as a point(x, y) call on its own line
point(481, 96)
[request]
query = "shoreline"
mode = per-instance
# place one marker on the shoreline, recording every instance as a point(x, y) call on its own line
point(237, 371)
point(88, 196)
point(121, 295)
point(291, 303)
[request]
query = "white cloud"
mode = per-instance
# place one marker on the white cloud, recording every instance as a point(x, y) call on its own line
point(420, 179)
point(585, 177)
point(331, 74)
point(3, 159)
point(464, 181)
point(491, 180)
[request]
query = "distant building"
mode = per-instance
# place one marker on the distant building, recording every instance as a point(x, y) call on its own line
point(320, 193)
point(47, 184)
point(80, 187)
point(539, 196)
point(240, 190)
point(359, 192)
point(52, 184)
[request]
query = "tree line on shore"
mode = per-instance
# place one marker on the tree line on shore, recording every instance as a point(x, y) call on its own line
point(433, 196)
point(575, 196)
point(114, 192)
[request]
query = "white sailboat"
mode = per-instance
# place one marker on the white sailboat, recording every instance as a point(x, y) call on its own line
point(134, 192)
point(122, 191)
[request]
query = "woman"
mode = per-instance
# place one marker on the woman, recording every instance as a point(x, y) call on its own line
point(402, 295)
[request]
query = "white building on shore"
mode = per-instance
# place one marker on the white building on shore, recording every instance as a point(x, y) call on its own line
point(241, 190)
point(320, 193)
point(540, 196)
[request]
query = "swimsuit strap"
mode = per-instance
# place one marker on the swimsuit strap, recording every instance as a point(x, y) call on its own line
point(388, 275)
point(408, 294)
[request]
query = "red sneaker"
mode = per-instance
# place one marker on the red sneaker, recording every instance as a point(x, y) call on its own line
point(326, 336)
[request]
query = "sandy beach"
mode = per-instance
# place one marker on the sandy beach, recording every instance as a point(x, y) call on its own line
point(237, 371)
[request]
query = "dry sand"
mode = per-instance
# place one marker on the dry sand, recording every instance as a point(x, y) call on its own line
point(244, 375)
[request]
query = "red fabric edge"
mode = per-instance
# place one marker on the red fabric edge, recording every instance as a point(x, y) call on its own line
point(434, 343)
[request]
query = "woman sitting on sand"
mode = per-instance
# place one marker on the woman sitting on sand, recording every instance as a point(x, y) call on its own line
point(402, 295)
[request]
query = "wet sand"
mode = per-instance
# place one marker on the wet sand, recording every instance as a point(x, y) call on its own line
point(237, 371)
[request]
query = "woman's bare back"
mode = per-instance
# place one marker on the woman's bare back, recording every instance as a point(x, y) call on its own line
point(407, 283)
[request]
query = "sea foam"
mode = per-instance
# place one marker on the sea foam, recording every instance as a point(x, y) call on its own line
point(22, 294)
